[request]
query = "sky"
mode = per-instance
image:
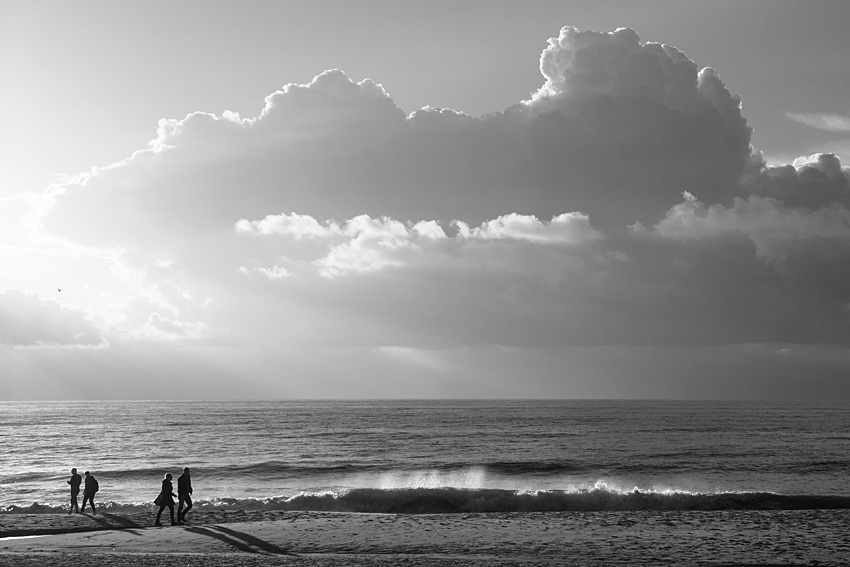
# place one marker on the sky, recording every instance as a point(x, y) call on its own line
point(479, 199)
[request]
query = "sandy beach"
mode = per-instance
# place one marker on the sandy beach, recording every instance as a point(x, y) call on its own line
point(235, 537)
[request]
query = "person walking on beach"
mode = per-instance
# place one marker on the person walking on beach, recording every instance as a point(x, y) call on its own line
point(165, 498)
point(89, 491)
point(184, 495)
point(75, 482)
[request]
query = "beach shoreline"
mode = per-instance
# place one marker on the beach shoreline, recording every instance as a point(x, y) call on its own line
point(264, 537)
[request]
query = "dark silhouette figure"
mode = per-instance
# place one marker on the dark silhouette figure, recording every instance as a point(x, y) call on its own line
point(89, 491)
point(75, 482)
point(184, 495)
point(165, 498)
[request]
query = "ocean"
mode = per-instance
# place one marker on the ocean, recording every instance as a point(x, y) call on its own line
point(432, 456)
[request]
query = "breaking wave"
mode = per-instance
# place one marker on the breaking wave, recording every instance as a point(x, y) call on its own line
point(460, 500)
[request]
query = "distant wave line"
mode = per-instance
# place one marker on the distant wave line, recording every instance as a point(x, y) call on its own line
point(282, 468)
point(276, 469)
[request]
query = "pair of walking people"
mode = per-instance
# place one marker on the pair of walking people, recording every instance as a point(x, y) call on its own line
point(90, 489)
point(166, 497)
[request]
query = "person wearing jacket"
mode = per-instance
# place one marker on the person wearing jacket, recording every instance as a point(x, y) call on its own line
point(75, 482)
point(165, 498)
point(184, 495)
point(91, 487)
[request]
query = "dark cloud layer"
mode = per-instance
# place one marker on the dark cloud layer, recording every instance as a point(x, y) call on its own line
point(816, 181)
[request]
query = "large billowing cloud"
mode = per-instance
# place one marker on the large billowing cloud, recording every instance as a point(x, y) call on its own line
point(618, 130)
point(335, 220)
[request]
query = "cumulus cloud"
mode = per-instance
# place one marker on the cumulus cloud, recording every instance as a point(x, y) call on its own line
point(365, 244)
point(579, 63)
point(295, 225)
point(27, 321)
point(436, 228)
point(646, 107)
point(815, 181)
point(828, 164)
point(770, 224)
point(617, 120)
point(567, 228)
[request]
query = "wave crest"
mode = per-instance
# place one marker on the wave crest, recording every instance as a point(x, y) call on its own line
point(459, 500)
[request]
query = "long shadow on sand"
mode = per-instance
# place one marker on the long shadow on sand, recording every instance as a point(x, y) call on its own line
point(101, 522)
point(109, 522)
point(241, 541)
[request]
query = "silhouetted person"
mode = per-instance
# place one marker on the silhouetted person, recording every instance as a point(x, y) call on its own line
point(89, 491)
point(184, 495)
point(75, 482)
point(165, 498)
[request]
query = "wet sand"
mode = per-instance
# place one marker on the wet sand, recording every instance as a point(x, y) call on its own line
point(236, 537)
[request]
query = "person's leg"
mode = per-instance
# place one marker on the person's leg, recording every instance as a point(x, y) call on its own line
point(91, 501)
point(159, 514)
point(171, 510)
point(74, 505)
point(85, 499)
point(181, 513)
